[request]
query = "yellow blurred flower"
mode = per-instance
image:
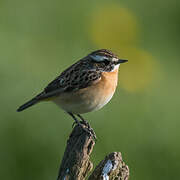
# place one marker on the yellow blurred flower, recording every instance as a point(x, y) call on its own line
point(113, 27)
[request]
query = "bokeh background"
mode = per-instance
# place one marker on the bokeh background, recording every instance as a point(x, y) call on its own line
point(39, 39)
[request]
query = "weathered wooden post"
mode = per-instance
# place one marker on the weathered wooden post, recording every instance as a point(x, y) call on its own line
point(76, 164)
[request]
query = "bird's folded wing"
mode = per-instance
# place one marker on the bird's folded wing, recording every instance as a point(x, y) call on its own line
point(70, 82)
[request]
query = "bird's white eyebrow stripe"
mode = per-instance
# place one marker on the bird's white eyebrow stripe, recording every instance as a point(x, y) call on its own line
point(114, 59)
point(98, 58)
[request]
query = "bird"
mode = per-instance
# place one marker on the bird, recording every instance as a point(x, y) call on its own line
point(87, 85)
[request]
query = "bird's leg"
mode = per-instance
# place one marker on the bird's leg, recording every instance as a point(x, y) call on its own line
point(82, 119)
point(75, 119)
point(88, 129)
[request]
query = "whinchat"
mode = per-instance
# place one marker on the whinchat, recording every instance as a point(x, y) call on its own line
point(86, 86)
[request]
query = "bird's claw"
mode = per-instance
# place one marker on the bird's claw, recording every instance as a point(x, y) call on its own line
point(88, 129)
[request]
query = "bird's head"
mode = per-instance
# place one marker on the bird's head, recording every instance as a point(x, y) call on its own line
point(105, 60)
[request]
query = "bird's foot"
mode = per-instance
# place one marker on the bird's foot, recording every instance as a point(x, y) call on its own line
point(83, 124)
point(88, 129)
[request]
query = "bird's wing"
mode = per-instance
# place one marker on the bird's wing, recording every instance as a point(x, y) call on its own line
point(76, 77)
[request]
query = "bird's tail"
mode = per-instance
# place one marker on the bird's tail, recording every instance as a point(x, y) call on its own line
point(30, 103)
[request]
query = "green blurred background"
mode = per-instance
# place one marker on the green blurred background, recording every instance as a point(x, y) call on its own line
point(39, 39)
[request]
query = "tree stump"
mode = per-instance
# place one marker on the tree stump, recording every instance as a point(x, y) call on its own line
point(76, 164)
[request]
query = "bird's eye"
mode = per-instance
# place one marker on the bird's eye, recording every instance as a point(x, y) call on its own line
point(106, 62)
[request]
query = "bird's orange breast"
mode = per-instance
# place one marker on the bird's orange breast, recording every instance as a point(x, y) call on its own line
point(108, 82)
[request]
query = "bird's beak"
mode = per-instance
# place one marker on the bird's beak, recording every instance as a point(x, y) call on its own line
point(121, 61)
